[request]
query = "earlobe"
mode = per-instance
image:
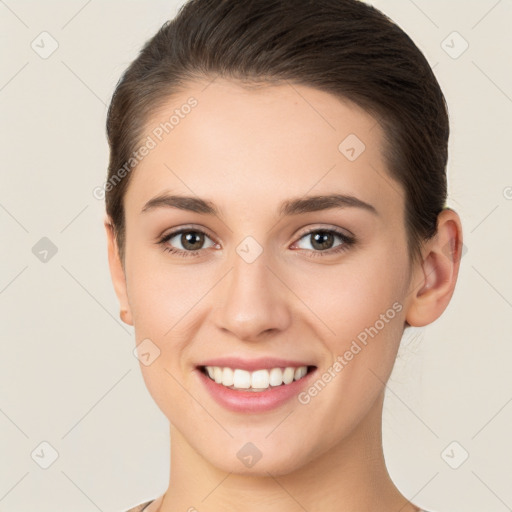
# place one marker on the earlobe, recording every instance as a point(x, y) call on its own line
point(434, 280)
point(117, 273)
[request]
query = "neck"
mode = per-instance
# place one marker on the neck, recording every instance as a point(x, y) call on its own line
point(349, 477)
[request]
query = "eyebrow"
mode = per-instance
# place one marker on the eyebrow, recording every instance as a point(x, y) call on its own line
point(294, 206)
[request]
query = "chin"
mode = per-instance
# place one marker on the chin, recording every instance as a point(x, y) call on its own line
point(256, 459)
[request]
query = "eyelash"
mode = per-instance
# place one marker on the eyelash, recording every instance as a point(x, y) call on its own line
point(348, 241)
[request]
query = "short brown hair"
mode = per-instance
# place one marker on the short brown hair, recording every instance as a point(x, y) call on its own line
point(343, 47)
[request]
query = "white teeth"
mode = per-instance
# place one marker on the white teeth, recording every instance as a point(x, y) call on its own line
point(241, 379)
point(300, 372)
point(259, 380)
point(227, 377)
point(288, 375)
point(217, 375)
point(276, 377)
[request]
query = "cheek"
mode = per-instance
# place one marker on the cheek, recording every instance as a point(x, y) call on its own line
point(353, 296)
point(361, 305)
point(162, 293)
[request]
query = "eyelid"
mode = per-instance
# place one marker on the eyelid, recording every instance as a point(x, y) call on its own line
point(342, 231)
point(347, 241)
point(186, 227)
point(348, 238)
point(191, 227)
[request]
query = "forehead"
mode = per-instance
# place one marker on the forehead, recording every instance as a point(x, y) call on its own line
point(262, 144)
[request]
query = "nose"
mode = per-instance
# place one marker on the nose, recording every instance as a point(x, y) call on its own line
point(252, 301)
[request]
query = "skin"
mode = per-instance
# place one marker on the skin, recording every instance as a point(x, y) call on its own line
point(247, 151)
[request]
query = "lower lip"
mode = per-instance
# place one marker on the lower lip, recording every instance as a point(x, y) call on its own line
point(254, 401)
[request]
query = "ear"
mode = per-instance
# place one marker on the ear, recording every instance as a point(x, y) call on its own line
point(117, 272)
point(434, 279)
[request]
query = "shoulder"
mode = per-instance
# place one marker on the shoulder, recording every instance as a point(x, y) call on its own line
point(140, 507)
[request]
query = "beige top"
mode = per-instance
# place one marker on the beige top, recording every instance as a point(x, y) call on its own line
point(143, 506)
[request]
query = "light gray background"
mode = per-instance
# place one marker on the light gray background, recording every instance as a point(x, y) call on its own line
point(68, 376)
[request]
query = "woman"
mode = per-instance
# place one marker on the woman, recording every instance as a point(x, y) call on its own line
point(276, 218)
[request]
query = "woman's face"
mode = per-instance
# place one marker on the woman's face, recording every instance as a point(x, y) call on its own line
point(258, 285)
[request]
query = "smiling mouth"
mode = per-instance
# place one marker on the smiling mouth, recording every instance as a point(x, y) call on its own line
point(258, 380)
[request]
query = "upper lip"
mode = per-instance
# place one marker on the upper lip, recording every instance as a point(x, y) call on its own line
point(253, 364)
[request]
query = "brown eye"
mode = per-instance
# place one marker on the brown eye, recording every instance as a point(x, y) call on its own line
point(186, 241)
point(322, 240)
point(192, 240)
